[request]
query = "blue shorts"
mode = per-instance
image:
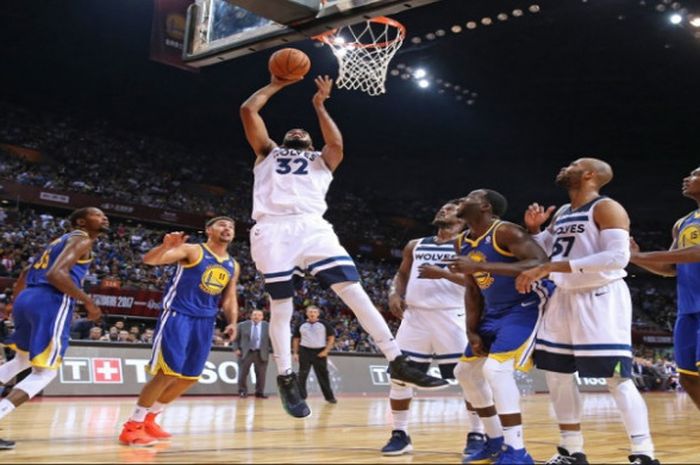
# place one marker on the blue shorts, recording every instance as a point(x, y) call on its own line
point(42, 317)
point(181, 344)
point(509, 335)
point(686, 343)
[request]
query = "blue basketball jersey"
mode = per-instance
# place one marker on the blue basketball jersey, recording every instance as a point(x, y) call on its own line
point(37, 272)
point(498, 291)
point(688, 274)
point(196, 289)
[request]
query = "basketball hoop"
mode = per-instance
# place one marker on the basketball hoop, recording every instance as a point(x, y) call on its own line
point(364, 51)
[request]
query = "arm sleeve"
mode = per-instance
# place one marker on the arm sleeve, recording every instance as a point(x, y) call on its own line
point(615, 254)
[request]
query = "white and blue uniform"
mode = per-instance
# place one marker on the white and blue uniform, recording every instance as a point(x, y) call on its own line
point(588, 323)
point(433, 326)
point(290, 236)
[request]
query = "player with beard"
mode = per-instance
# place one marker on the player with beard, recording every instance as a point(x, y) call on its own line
point(205, 279)
point(588, 323)
point(683, 261)
point(429, 300)
point(291, 236)
point(46, 292)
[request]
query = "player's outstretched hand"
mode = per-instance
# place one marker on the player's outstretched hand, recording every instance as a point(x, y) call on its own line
point(536, 216)
point(174, 239)
point(324, 85)
point(94, 312)
point(274, 80)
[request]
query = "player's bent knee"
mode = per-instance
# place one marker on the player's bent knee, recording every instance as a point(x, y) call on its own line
point(400, 393)
point(495, 371)
point(37, 380)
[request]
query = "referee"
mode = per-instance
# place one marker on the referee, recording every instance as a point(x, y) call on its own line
point(311, 344)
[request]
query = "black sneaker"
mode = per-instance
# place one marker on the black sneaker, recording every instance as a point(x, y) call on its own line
point(403, 374)
point(6, 444)
point(399, 444)
point(563, 457)
point(292, 402)
point(642, 459)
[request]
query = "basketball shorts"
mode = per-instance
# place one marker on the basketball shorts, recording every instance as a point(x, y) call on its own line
point(285, 248)
point(686, 343)
point(587, 330)
point(428, 334)
point(42, 317)
point(181, 344)
point(510, 334)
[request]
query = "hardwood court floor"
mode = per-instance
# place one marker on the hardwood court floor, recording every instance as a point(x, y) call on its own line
point(228, 429)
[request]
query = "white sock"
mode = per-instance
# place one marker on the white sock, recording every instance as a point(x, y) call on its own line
point(400, 420)
point(492, 426)
point(369, 317)
point(6, 407)
point(513, 436)
point(281, 334)
point(477, 426)
point(139, 414)
point(572, 441)
point(157, 408)
point(634, 414)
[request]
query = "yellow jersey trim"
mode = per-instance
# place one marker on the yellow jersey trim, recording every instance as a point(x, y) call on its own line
point(464, 358)
point(196, 262)
point(162, 366)
point(87, 260)
point(218, 258)
point(42, 360)
point(475, 242)
point(515, 355)
point(495, 243)
point(688, 372)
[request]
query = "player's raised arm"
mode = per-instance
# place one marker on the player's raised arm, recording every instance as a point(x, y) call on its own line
point(253, 124)
point(397, 289)
point(58, 275)
point(332, 151)
point(173, 249)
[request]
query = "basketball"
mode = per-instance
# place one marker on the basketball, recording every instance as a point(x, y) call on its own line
point(289, 63)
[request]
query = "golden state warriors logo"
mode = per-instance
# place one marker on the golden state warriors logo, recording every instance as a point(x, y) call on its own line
point(483, 280)
point(689, 236)
point(214, 279)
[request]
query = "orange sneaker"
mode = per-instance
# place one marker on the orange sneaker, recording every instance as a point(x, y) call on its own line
point(154, 429)
point(134, 434)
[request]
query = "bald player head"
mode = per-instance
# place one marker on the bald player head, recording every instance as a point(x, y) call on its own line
point(585, 172)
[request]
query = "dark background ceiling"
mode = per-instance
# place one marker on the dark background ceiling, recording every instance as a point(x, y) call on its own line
point(608, 78)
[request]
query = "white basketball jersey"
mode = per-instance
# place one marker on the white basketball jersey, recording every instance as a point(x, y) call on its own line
point(435, 294)
point(290, 182)
point(576, 236)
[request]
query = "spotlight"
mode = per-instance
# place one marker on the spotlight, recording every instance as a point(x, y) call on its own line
point(416, 40)
point(486, 21)
point(440, 33)
point(676, 18)
point(695, 22)
point(456, 28)
point(430, 36)
point(339, 41)
point(517, 12)
point(423, 83)
point(534, 8)
point(502, 17)
point(420, 73)
point(395, 72)
point(471, 25)
point(405, 76)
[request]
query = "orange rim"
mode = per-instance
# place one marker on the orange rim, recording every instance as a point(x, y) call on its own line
point(328, 36)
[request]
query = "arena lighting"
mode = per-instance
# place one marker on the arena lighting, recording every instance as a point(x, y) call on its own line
point(423, 83)
point(676, 18)
point(695, 22)
point(420, 73)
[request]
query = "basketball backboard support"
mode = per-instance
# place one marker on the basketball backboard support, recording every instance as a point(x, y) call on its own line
point(220, 30)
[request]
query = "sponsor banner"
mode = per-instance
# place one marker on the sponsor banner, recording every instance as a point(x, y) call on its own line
point(104, 369)
point(168, 32)
point(131, 302)
point(72, 200)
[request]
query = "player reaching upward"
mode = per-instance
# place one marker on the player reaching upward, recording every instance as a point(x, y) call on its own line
point(205, 279)
point(429, 299)
point(588, 324)
point(47, 291)
point(291, 237)
point(683, 261)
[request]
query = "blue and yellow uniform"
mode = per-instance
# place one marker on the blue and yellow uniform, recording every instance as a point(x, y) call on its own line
point(509, 319)
point(43, 314)
point(686, 334)
point(183, 336)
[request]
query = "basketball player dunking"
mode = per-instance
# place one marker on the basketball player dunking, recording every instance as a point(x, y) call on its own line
point(291, 237)
point(429, 299)
point(47, 291)
point(588, 323)
point(683, 261)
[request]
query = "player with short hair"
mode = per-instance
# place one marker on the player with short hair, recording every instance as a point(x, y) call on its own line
point(501, 323)
point(205, 279)
point(46, 292)
point(588, 324)
point(291, 236)
point(683, 261)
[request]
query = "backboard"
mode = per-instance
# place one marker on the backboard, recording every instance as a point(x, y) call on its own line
point(219, 30)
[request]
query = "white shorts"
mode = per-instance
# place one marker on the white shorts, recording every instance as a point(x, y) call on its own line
point(285, 248)
point(589, 331)
point(427, 334)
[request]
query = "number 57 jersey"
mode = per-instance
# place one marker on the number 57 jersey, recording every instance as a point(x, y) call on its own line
point(576, 236)
point(290, 182)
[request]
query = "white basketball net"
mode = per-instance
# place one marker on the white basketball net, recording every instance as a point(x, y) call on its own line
point(364, 51)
